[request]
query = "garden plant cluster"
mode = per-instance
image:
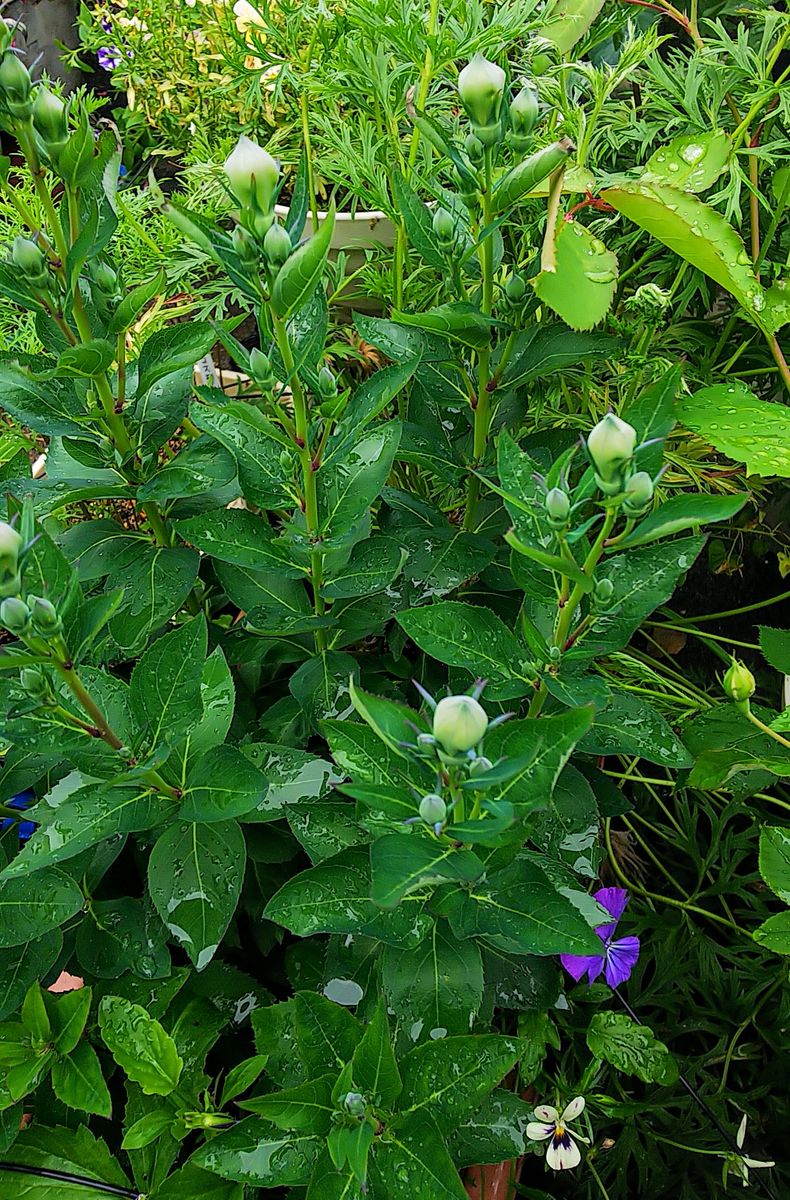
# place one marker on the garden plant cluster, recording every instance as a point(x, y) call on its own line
point(394, 616)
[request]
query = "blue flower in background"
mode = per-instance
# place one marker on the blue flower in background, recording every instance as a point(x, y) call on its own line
point(24, 828)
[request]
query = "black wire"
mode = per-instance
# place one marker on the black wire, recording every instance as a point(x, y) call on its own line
point(65, 1177)
point(705, 1107)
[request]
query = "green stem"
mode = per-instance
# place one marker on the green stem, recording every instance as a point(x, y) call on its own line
point(482, 417)
point(309, 468)
point(777, 737)
point(425, 77)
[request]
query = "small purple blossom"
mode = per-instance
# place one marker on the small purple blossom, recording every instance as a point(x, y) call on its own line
point(106, 24)
point(109, 57)
point(618, 958)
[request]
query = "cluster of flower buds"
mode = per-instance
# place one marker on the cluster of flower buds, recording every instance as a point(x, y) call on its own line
point(254, 179)
point(611, 446)
point(354, 1103)
point(36, 615)
point(739, 684)
point(458, 727)
point(482, 87)
point(10, 550)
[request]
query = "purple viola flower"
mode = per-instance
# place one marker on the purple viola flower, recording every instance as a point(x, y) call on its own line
point(618, 957)
point(24, 828)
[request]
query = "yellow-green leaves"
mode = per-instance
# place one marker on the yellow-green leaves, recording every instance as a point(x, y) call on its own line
point(579, 284)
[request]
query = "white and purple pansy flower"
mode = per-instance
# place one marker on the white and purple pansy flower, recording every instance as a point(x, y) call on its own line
point(618, 956)
point(562, 1151)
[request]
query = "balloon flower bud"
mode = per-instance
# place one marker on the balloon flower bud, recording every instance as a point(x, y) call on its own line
point(245, 247)
point(261, 370)
point(611, 447)
point(480, 766)
point(10, 545)
point(15, 85)
point(481, 85)
point(515, 289)
point(50, 118)
point(433, 809)
point(252, 174)
point(34, 682)
point(327, 384)
point(44, 616)
point(738, 683)
point(523, 114)
point(14, 615)
point(459, 722)
point(444, 228)
point(30, 261)
point(638, 493)
point(276, 245)
point(475, 150)
point(558, 507)
point(603, 592)
point(354, 1103)
point(106, 278)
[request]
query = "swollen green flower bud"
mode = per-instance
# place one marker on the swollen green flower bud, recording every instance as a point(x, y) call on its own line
point(638, 493)
point(245, 247)
point(252, 174)
point(10, 545)
point(515, 289)
point(475, 150)
point(276, 245)
point(481, 85)
point(433, 809)
point(34, 682)
point(459, 722)
point(611, 447)
point(15, 85)
point(50, 118)
point(44, 616)
point(327, 384)
point(106, 278)
point(30, 261)
point(523, 117)
point(603, 593)
point(354, 1103)
point(480, 765)
point(444, 228)
point(558, 506)
point(14, 615)
point(261, 370)
point(738, 682)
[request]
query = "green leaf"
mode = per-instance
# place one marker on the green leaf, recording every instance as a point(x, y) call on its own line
point(171, 349)
point(327, 1183)
point(775, 860)
point(78, 1082)
point(74, 1151)
point(631, 1048)
point(306, 1108)
point(544, 349)
point(775, 645)
point(582, 281)
point(22, 965)
point(565, 22)
point(222, 784)
point(297, 278)
point(195, 874)
point(544, 746)
point(519, 910)
point(294, 776)
point(190, 1183)
point(241, 1077)
point(394, 723)
point(435, 988)
point(414, 1151)
point(643, 579)
point(727, 415)
point(774, 933)
point(326, 1033)
point(258, 1153)
point(122, 935)
point(692, 162)
point(52, 408)
point(629, 725)
point(31, 907)
point(694, 231)
point(165, 693)
point(373, 1067)
point(459, 321)
point(237, 427)
point(349, 485)
point(463, 635)
point(85, 817)
point(140, 1046)
point(334, 897)
point(155, 582)
point(238, 537)
point(406, 862)
point(652, 414)
point(135, 301)
point(360, 753)
point(441, 559)
point(726, 743)
point(68, 1015)
point(85, 361)
point(200, 469)
point(449, 1077)
point(149, 1127)
point(34, 1014)
point(679, 513)
point(418, 219)
point(373, 565)
point(497, 1131)
point(368, 402)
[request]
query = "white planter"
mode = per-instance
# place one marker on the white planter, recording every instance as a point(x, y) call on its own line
point(353, 232)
